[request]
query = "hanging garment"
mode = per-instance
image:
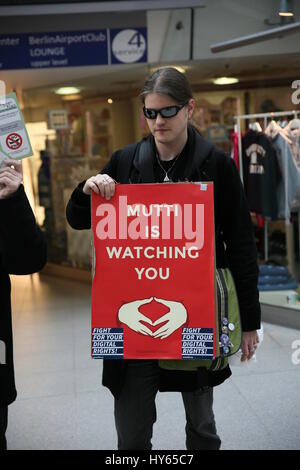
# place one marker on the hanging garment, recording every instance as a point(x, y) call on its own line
point(261, 174)
point(290, 183)
point(235, 148)
point(294, 137)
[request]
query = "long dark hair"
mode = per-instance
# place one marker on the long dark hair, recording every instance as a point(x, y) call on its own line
point(168, 81)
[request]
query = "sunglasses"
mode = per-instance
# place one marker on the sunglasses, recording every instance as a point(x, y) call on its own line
point(167, 112)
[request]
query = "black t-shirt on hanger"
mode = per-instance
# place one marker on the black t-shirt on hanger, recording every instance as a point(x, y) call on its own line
point(261, 174)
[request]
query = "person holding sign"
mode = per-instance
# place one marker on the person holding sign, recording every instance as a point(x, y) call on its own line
point(22, 251)
point(176, 152)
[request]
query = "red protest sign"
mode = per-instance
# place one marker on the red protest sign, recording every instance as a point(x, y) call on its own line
point(153, 290)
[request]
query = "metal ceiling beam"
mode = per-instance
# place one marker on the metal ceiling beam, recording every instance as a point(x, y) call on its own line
point(255, 38)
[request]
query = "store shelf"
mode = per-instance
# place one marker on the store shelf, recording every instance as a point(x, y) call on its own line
point(276, 310)
point(281, 298)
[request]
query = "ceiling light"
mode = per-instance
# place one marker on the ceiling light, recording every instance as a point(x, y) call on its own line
point(71, 97)
point(225, 80)
point(67, 90)
point(110, 101)
point(286, 8)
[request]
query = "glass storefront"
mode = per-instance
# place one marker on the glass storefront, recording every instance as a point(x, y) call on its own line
point(74, 138)
point(63, 156)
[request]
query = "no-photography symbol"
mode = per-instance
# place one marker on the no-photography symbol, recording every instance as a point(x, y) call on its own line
point(14, 141)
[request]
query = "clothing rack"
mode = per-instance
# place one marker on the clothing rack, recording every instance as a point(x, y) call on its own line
point(266, 116)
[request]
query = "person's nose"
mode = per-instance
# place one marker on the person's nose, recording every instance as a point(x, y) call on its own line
point(159, 120)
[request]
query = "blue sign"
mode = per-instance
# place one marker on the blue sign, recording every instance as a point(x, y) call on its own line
point(197, 345)
point(72, 48)
point(107, 343)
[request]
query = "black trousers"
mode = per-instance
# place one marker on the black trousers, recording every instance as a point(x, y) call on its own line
point(135, 411)
point(3, 426)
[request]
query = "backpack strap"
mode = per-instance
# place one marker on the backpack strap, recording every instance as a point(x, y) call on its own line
point(125, 163)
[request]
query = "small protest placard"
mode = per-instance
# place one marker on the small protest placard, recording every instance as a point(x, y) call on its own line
point(14, 139)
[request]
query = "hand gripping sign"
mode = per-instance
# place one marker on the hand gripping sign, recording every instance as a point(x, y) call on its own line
point(14, 140)
point(153, 293)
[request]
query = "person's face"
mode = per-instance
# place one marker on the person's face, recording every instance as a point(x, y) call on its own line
point(168, 130)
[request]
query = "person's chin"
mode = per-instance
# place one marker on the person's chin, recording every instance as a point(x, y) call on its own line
point(162, 136)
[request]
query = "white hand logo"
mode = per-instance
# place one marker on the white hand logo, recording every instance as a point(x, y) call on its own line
point(176, 317)
point(130, 315)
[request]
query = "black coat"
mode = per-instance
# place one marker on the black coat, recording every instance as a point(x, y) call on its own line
point(22, 251)
point(235, 245)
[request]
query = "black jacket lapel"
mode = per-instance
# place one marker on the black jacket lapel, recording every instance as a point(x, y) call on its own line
point(144, 159)
point(197, 152)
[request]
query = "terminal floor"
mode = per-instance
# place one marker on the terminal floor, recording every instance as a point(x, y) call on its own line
point(62, 405)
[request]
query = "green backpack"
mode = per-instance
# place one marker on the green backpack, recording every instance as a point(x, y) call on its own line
point(228, 329)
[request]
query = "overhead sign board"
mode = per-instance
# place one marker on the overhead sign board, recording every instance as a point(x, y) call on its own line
point(72, 48)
